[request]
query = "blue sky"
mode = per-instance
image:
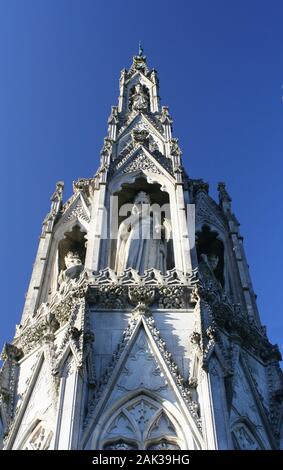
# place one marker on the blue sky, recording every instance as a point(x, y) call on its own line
point(220, 71)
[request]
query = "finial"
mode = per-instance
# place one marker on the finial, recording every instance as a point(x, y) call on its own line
point(140, 49)
point(224, 198)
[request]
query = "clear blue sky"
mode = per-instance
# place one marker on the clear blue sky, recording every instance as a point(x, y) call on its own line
point(220, 70)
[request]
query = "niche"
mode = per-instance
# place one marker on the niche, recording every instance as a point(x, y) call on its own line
point(74, 242)
point(139, 99)
point(71, 256)
point(210, 249)
point(145, 251)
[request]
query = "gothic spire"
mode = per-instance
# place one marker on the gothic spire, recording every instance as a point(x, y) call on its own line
point(140, 49)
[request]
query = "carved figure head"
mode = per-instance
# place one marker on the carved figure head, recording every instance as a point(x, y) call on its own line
point(72, 258)
point(141, 203)
point(213, 261)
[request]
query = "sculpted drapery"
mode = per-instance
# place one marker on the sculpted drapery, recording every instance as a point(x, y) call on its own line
point(142, 239)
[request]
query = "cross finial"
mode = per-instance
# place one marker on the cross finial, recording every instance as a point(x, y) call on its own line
point(140, 49)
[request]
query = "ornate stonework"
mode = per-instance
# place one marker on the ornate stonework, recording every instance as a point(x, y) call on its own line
point(150, 342)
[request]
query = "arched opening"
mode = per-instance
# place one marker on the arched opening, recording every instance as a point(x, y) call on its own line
point(141, 423)
point(73, 241)
point(210, 253)
point(143, 240)
point(69, 258)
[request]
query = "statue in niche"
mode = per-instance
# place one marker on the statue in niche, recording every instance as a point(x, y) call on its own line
point(142, 239)
point(208, 265)
point(74, 268)
point(139, 99)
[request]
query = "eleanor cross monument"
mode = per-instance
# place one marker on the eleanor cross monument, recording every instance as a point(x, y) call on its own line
point(140, 328)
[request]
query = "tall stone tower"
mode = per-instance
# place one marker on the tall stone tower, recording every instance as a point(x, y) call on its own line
point(140, 328)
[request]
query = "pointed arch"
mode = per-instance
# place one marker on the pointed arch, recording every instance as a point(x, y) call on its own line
point(68, 235)
point(148, 420)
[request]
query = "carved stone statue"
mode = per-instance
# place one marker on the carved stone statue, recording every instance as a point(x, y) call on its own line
point(142, 239)
point(208, 266)
point(139, 99)
point(74, 267)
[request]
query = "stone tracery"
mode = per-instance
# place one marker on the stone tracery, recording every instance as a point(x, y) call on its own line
point(141, 423)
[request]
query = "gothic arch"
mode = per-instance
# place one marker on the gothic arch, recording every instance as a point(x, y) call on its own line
point(208, 243)
point(142, 420)
point(58, 251)
point(209, 238)
point(165, 181)
point(166, 184)
point(139, 78)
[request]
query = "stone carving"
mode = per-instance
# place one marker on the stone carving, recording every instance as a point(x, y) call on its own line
point(56, 206)
point(121, 426)
point(136, 248)
point(162, 425)
point(167, 356)
point(35, 333)
point(74, 268)
point(163, 445)
point(77, 212)
point(111, 296)
point(151, 277)
point(139, 99)
point(172, 297)
point(136, 122)
point(141, 424)
point(174, 148)
point(120, 445)
point(50, 316)
point(142, 297)
point(142, 411)
point(141, 162)
point(165, 117)
point(84, 185)
point(105, 156)
point(140, 137)
point(139, 64)
point(207, 266)
point(149, 376)
point(113, 118)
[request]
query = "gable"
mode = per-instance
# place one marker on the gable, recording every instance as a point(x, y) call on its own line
point(207, 212)
point(75, 210)
point(139, 122)
point(245, 403)
point(141, 371)
point(36, 403)
point(141, 160)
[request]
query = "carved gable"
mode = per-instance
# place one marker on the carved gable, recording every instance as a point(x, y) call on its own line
point(244, 403)
point(141, 372)
point(37, 403)
point(76, 210)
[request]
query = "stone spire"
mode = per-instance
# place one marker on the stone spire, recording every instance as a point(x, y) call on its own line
point(140, 339)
